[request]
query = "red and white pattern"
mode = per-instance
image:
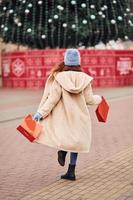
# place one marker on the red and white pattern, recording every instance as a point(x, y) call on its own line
point(29, 69)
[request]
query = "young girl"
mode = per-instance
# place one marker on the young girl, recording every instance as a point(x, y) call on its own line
point(64, 111)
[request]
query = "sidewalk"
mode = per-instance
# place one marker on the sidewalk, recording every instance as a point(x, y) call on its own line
point(110, 179)
point(27, 168)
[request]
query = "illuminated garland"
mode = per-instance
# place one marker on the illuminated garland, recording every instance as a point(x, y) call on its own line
point(46, 22)
point(105, 36)
point(41, 36)
point(76, 23)
point(19, 27)
point(90, 32)
point(65, 25)
point(68, 23)
point(52, 25)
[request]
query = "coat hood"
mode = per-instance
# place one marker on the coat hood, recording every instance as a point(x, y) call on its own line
point(73, 82)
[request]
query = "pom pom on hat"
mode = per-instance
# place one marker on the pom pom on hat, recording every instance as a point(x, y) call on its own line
point(72, 57)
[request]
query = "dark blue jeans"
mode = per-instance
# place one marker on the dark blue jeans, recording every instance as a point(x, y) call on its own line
point(73, 158)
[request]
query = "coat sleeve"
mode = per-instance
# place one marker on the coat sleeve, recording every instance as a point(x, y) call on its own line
point(48, 84)
point(90, 98)
point(51, 101)
point(44, 97)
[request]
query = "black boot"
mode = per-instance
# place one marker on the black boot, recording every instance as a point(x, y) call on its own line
point(61, 157)
point(70, 175)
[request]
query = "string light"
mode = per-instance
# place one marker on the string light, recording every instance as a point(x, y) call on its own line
point(64, 25)
point(103, 16)
point(113, 21)
point(127, 9)
point(6, 29)
point(40, 2)
point(50, 20)
point(66, 22)
point(16, 20)
point(60, 23)
point(40, 35)
point(4, 8)
point(43, 36)
point(93, 17)
point(52, 25)
point(56, 16)
point(83, 5)
point(60, 7)
point(27, 11)
point(2, 26)
point(30, 5)
point(126, 37)
point(19, 24)
point(92, 6)
point(73, 26)
point(84, 21)
point(100, 12)
point(11, 11)
point(114, 2)
point(29, 30)
point(120, 18)
point(105, 7)
point(73, 2)
point(46, 22)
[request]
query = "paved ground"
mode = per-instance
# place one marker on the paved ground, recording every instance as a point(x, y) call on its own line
point(107, 180)
point(26, 168)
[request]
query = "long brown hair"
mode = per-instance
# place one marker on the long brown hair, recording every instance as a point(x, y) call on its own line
point(62, 67)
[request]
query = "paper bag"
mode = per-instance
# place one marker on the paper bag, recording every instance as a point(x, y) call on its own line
point(102, 111)
point(30, 128)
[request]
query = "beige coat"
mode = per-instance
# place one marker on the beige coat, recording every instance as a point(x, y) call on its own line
point(67, 123)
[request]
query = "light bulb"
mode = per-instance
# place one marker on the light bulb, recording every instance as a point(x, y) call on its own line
point(113, 21)
point(60, 7)
point(43, 36)
point(19, 24)
point(6, 29)
point(30, 5)
point(2, 26)
point(100, 12)
point(11, 11)
point(49, 20)
point(27, 11)
point(84, 21)
point(73, 26)
point(4, 8)
point(64, 25)
point(92, 6)
point(40, 2)
point(126, 37)
point(73, 2)
point(83, 5)
point(56, 17)
point(127, 9)
point(29, 30)
point(120, 18)
point(105, 7)
point(93, 17)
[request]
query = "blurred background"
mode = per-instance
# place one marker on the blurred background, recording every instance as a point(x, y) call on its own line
point(102, 30)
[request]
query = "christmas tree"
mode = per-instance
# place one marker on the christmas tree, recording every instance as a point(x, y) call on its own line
point(69, 23)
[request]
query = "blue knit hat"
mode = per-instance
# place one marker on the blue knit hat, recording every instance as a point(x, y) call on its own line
point(72, 57)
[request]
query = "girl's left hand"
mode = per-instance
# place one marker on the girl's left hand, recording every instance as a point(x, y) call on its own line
point(37, 116)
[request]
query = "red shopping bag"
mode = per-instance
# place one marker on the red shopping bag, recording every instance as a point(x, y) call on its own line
point(102, 111)
point(30, 128)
